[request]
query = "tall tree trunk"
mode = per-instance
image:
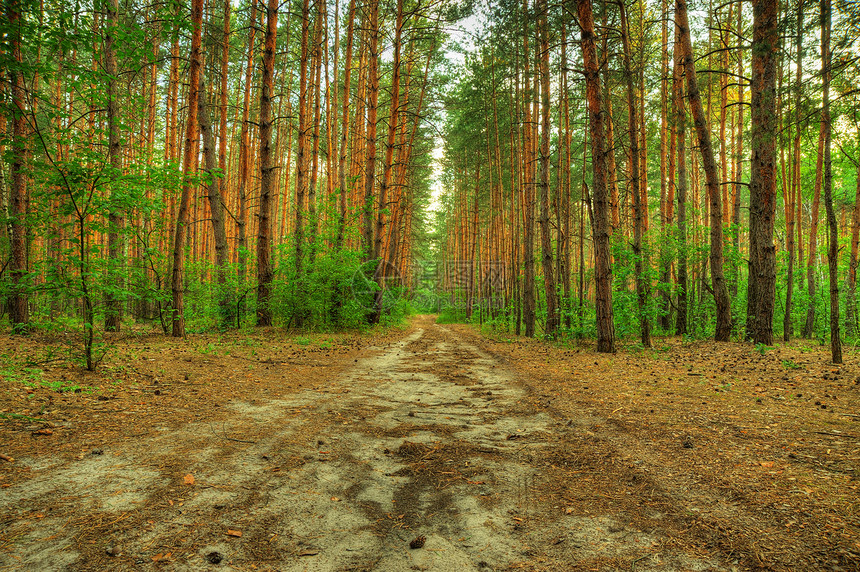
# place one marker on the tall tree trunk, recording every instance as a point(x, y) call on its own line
point(718, 280)
point(611, 156)
point(761, 283)
point(372, 104)
point(385, 185)
point(302, 155)
point(116, 218)
point(851, 283)
point(552, 318)
point(408, 145)
point(666, 175)
point(724, 98)
point(528, 188)
point(679, 137)
point(643, 139)
point(811, 262)
point(341, 164)
point(798, 116)
point(601, 228)
point(640, 258)
point(267, 172)
point(222, 126)
point(565, 159)
point(394, 109)
point(188, 163)
point(832, 240)
point(19, 310)
point(314, 102)
point(245, 162)
point(739, 150)
point(794, 177)
point(216, 210)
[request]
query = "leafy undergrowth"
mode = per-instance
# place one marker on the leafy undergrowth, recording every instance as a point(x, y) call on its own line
point(758, 448)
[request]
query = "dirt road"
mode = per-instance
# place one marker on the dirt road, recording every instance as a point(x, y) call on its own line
point(427, 441)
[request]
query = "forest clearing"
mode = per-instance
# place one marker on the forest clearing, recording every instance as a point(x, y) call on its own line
point(262, 451)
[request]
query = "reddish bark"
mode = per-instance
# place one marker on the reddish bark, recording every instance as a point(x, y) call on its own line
point(600, 226)
point(718, 280)
point(267, 172)
point(191, 136)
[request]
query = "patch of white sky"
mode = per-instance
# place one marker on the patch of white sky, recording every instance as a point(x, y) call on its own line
point(463, 38)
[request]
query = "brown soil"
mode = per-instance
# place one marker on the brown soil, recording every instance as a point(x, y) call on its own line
point(431, 448)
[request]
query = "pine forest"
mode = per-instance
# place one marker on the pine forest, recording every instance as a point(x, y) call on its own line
point(596, 171)
point(452, 285)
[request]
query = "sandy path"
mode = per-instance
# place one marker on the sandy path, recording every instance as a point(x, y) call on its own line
point(429, 437)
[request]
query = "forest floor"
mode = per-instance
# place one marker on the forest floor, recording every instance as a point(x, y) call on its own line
point(427, 448)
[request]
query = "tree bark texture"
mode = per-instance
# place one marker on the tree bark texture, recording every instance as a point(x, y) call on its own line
point(640, 260)
point(267, 172)
point(19, 309)
point(116, 218)
point(832, 239)
point(679, 136)
point(552, 317)
point(718, 280)
point(601, 227)
point(188, 164)
point(216, 209)
point(761, 283)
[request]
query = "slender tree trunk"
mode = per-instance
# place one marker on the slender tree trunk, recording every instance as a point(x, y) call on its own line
point(761, 284)
point(552, 318)
point(611, 156)
point(739, 149)
point(341, 164)
point(216, 210)
point(640, 258)
point(267, 172)
point(643, 139)
point(718, 280)
point(372, 105)
point(358, 135)
point(313, 217)
point(666, 175)
point(222, 127)
point(528, 188)
point(302, 155)
point(798, 116)
point(116, 219)
point(793, 189)
point(188, 163)
point(408, 145)
point(811, 263)
point(679, 136)
point(394, 108)
point(245, 162)
point(601, 228)
point(387, 168)
point(724, 98)
point(565, 159)
point(609, 118)
point(19, 310)
point(832, 242)
point(851, 285)
point(583, 199)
